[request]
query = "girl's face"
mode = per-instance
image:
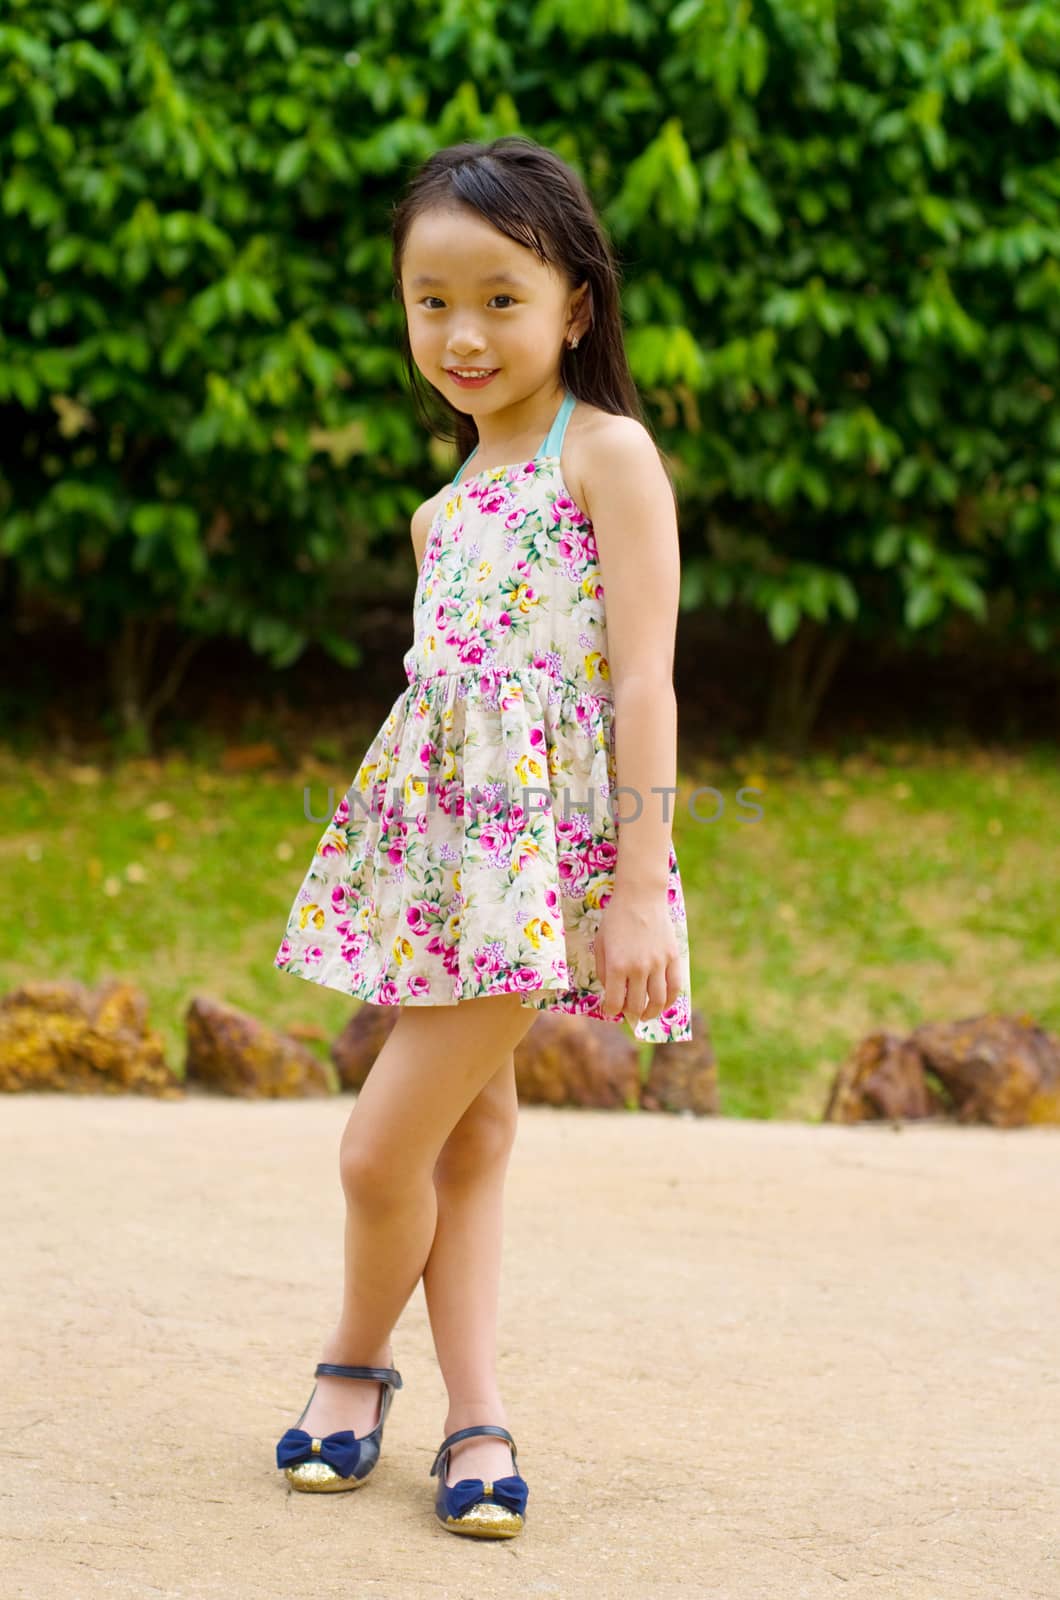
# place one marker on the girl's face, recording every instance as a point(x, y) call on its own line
point(474, 298)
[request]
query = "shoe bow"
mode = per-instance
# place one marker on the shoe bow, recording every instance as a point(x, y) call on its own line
point(341, 1450)
point(510, 1492)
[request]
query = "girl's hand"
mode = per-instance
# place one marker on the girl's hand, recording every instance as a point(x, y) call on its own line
point(637, 957)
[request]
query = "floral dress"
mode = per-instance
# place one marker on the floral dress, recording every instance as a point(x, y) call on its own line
point(475, 850)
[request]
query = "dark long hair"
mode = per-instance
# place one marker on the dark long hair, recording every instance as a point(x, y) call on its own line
point(530, 194)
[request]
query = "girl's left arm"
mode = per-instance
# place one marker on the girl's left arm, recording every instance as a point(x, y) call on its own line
point(631, 507)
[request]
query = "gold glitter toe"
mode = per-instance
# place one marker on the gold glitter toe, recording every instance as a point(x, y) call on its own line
point(486, 1521)
point(316, 1477)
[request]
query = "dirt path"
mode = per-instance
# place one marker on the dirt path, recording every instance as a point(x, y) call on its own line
point(739, 1359)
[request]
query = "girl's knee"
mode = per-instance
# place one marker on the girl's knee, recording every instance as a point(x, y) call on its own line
point(371, 1176)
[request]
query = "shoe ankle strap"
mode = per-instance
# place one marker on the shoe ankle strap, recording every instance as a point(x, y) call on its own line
point(490, 1428)
point(333, 1369)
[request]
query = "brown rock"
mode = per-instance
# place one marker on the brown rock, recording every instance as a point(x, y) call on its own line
point(233, 1053)
point(121, 1007)
point(361, 1041)
point(576, 1061)
point(250, 757)
point(683, 1077)
point(883, 1078)
point(1001, 1070)
point(67, 1036)
point(303, 1031)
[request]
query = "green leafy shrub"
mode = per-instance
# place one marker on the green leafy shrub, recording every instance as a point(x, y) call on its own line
point(840, 227)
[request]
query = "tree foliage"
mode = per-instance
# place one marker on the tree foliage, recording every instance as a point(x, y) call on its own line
point(840, 230)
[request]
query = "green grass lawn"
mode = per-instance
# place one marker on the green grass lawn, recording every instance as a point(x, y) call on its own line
point(881, 889)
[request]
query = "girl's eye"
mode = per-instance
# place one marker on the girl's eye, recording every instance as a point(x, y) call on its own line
point(493, 297)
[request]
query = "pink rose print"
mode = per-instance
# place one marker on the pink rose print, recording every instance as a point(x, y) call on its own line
point(419, 917)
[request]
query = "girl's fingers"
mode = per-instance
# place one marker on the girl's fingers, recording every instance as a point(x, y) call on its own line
point(636, 999)
point(614, 1002)
point(613, 999)
point(657, 991)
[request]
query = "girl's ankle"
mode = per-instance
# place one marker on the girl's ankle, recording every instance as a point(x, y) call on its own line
point(334, 1352)
point(470, 1414)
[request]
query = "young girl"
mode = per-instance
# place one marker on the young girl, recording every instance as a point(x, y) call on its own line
point(482, 867)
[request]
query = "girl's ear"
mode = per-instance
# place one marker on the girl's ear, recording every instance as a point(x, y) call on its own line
point(582, 310)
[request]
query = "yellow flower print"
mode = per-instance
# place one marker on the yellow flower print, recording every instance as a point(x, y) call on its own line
point(538, 930)
point(526, 768)
point(596, 666)
point(519, 601)
point(448, 764)
point(594, 898)
point(524, 851)
point(366, 776)
point(554, 768)
point(402, 951)
point(471, 615)
point(414, 786)
point(332, 840)
point(482, 571)
point(456, 881)
point(310, 913)
point(452, 928)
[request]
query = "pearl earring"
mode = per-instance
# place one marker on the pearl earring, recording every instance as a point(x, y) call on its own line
point(574, 343)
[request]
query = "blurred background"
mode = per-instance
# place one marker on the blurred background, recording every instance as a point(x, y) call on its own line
point(839, 231)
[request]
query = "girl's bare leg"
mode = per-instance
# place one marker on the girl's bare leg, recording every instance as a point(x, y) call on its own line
point(432, 1065)
point(462, 1277)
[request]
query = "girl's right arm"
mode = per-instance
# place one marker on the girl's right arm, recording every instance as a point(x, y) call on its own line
point(422, 518)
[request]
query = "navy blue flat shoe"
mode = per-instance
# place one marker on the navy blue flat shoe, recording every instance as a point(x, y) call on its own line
point(339, 1460)
point(494, 1510)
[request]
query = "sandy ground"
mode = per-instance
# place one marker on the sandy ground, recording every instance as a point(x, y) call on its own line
point(739, 1359)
